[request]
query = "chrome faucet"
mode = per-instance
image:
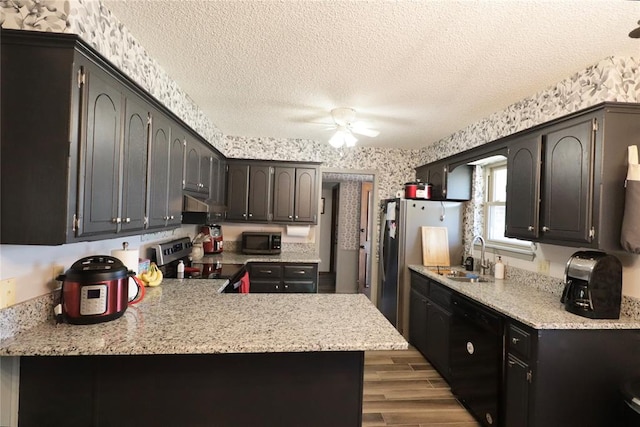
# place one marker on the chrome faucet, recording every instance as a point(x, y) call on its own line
point(484, 267)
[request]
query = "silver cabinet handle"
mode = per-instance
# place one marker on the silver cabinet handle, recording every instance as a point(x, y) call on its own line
point(127, 220)
point(515, 340)
point(296, 216)
point(244, 215)
point(545, 228)
point(171, 217)
point(265, 271)
point(117, 220)
point(530, 228)
point(277, 287)
point(286, 286)
point(250, 215)
point(511, 363)
point(290, 217)
point(301, 272)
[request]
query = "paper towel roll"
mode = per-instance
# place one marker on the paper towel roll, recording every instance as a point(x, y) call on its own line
point(298, 230)
point(129, 258)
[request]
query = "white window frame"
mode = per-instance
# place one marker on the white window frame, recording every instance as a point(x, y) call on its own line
point(509, 246)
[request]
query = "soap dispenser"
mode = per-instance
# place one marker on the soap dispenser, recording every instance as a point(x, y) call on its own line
point(499, 269)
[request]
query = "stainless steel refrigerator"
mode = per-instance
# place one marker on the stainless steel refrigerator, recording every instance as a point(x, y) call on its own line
point(401, 245)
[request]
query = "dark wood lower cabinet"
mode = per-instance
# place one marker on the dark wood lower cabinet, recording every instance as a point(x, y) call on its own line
point(267, 389)
point(269, 277)
point(537, 377)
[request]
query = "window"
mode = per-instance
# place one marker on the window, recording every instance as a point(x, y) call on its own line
point(495, 210)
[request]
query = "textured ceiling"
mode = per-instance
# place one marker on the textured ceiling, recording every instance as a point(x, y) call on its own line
point(417, 71)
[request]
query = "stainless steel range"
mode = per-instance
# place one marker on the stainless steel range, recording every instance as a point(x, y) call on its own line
point(169, 254)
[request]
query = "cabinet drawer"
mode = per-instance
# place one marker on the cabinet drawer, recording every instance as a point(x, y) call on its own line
point(265, 271)
point(300, 272)
point(440, 295)
point(299, 286)
point(519, 341)
point(420, 284)
point(264, 286)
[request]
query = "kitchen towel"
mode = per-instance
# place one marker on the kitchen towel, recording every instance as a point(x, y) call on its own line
point(630, 232)
point(244, 284)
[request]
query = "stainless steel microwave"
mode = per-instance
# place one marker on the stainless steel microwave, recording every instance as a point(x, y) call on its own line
point(261, 242)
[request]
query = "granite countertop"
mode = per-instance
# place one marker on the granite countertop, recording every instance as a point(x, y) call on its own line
point(191, 317)
point(527, 304)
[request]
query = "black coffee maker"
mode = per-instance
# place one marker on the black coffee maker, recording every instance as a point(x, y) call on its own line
point(593, 285)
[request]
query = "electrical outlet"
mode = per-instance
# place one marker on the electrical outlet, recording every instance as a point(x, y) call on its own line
point(543, 266)
point(56, 270)
point(7, 292)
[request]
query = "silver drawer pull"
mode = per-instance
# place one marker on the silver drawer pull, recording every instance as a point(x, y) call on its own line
point(515, 340)
point(266, 271)
point(545, 228)
point(530, 228)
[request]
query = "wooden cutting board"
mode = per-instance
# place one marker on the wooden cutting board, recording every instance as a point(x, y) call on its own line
point(435, 247)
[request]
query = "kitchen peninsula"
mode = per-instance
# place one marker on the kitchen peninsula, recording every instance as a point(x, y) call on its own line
point(188, 355)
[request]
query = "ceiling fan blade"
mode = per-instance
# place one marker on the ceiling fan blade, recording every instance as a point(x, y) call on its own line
point(371, 133)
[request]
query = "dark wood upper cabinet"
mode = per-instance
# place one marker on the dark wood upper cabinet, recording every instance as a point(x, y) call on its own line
point(158, 201)
point(102, 114)
point(295, 195)
point(447, 181)
point(523, 187)
point(284, 183)
point(268, 191)
point(568, 181)
point(104, 157)
point(135, 148)
point(259, 201)
point(249, 192)
point(581, 178)
point(237, 191)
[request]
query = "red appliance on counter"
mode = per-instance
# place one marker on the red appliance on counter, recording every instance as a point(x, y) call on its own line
point(214, 244)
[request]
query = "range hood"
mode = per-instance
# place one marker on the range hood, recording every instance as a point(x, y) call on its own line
point(196, 211)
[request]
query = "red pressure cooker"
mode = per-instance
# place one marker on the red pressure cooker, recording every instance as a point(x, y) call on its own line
point(417, 190)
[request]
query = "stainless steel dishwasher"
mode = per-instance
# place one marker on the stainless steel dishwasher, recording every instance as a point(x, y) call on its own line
point(476, 356)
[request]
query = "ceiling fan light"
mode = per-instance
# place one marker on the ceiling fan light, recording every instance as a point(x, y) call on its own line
point(337, 140)
point(349, 139)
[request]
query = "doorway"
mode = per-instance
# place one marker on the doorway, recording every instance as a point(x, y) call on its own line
point(345, 236)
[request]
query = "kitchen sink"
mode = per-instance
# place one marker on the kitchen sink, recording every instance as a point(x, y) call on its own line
point(468, 279)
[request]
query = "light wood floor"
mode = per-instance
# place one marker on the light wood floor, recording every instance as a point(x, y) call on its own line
point(402, 389)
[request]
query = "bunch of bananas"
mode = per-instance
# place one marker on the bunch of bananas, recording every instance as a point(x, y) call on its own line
point(153, 276)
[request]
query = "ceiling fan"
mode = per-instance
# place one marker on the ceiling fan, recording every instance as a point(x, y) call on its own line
point(346, 126)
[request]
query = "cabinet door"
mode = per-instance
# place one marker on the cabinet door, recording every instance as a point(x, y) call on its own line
point(134, 164)
point(237, 191)
point(217, 180)
point(206, 159)
point(101, 160)
point(284, 191)
point(566, 203)
point(437, 177)
point(418, 321)
point(159, 171)
point(259, 193)
point(306, 203)
point(438, 342)
point(517, 393)
point(523, 188)
point(176, 177)
point(192, 166)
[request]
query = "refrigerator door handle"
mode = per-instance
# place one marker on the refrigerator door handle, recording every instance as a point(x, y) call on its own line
point(381, 248)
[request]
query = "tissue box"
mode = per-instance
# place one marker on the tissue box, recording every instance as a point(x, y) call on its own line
point(143, 265)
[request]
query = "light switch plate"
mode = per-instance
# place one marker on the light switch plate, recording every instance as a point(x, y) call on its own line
point(7, 292)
